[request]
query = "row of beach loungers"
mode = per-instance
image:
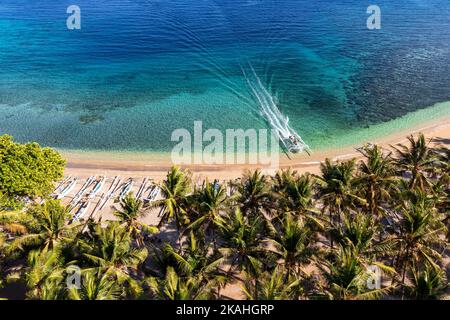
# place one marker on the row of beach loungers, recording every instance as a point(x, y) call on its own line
point(90, 199)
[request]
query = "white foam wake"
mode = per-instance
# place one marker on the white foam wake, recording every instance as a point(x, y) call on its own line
point(269, 110)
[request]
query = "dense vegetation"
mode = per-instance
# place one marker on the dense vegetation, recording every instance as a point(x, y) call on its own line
point(27, 171)
point(289, 236)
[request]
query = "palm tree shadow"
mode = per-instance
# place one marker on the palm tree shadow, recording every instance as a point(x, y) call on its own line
point(168, 234)
point(442, 140)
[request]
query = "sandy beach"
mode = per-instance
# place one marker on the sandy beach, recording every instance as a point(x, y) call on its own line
point(155, 166)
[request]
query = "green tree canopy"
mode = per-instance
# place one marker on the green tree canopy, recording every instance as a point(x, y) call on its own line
point(27, 171)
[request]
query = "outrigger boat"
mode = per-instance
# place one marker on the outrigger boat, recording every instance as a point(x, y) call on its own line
point(150, 190)
point(67, 189)
point(126, 189)
point(61, 186)
point(154, 192)
point(105, 196)
point(112, 189)
point(97, 188)
point(80, 193)
point(81, 211)
point(142, 188)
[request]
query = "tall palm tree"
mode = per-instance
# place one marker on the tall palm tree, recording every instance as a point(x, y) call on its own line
point(336, 189)
point(443, 185)
point(109, 250)
point(193, 259)
point(254, 192)
point(45, 275)
point(273, 286)
point(357, 230)
point(428, 282)
point(97, 285)
point(346, 277)
point(242, 237)
point(175, 190)
point(419, 235)
point(376, 177)
point(290, 243)
point(294, 194)
point(129, 213)
point(298, 193)
point(418, 159)
point(207, 203)
point(441, 167)
point(44, 227)
point(175, 287)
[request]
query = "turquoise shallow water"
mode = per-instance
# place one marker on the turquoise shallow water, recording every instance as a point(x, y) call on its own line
point(137, 70)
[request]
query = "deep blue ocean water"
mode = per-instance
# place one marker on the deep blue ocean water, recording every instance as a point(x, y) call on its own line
point(139, 69)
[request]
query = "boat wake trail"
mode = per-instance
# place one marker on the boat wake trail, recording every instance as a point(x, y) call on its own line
point(290, 139)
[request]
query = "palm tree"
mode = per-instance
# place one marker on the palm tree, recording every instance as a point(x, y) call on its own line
point(175, 287)
point(290, 243)
point(272, 286)
point(443, 185)
point(45, 275)
point(358, 231)
point(295, 191)
point(175, 190)
point(376, 177)
point(97, 285)
point(346, 278)
point(417, 159)
point(193, 259)
point(242, 237)
point(128, 214)
point(418, 235)
point(242, 248)
point(428, 283)
point(207, 203)
point(109, 250)
point(44, 227)
point(442, 166)
point(253, 193)
point(295, 194)
point(336, 189)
